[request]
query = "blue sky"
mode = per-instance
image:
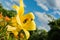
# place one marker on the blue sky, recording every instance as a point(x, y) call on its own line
point(40, 8)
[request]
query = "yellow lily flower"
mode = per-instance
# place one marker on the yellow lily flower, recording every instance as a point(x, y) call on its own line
point(21, 21)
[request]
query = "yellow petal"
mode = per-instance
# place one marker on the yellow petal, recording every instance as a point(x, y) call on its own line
point(13, 21)
point(13, 30)
point(21, 8)
point(26, 33)
point(15, 33)
point(21, 3)
point(18, 20)
point(29, 15)
point(28, 21)
point(30, 26)
point(22, 18)
point(15, 7)
point(10, 28)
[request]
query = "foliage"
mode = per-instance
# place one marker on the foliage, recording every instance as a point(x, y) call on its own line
point(54, 24)
point(54, 33)
point(38, 35)
point(6, 12)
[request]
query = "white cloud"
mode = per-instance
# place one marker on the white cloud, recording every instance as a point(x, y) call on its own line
point(11, 0)
point(54, 3)
point(17, 1)
point(8, 3)
point(57, 12)
point(0, 1)
point(58, 3)
point(43, 28)
point(14, 1)
point(43, 18)
point(11, 3)
point(41, 4)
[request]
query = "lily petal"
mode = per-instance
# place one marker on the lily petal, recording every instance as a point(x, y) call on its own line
point(13, 21)
point(16, 7)
point(10, 28)
point(15, 33)
point(30, 26)
point(13, 30)
point(27, 34)
point(21, 8)
point(18, 20)
point(29, 15)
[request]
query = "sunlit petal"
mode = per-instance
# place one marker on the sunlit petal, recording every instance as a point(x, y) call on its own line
point(27, 34)
point(13, 30)
point(30, 26)
point(16, 8)
point(30, 15)
point(21, 8)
